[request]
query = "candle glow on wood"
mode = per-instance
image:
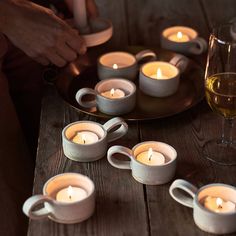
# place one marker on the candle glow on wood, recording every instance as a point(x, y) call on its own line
point(85, 137)
point(114, 93)
point(71, 194)
point(219, 205)
point(151, 157)
point(179, 37)
point(158, 75)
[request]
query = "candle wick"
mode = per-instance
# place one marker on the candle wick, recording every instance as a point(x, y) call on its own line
point(84, 141)
point(70, 197)
point(150, 157)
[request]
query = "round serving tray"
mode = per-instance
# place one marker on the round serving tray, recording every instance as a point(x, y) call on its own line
point(190, 92)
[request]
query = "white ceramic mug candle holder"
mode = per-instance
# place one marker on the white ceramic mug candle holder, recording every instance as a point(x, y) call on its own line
point(151, 162)
point(161, 79)
point(94, 31)
point(87, 141)
point(183, 40)
point(111, 96)
point(121, 64)
point(68, 198)
point(213, 205)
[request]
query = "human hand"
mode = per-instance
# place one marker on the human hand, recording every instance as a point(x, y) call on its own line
point(42, 35)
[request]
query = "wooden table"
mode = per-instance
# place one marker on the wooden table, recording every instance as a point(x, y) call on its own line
point(124, 206)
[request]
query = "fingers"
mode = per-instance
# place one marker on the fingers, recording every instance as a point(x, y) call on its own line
point(56, 59)
point(66, 52)
point(92, 8)
point(75, 42)
point(42, 60)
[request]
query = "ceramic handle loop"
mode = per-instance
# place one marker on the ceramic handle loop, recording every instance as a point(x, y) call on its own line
point(86, 91)
point(118, 133)
point(200, 46)
point(180, 61)
point(34, 201)
point(119, 163)
point(145, 53)
point(178, 190)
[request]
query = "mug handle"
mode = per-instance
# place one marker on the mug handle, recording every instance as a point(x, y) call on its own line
point(125, 165)
point(34, 201)
point(86, 91)
point(145, 53)
point(200, 46)
point(178, 190)
point(118, 133)
point(180, 61)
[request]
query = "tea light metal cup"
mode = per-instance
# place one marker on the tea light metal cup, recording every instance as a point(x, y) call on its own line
point(144, 169)
point(209, 216)
point(183, 40)
point(161, 79)
point(121, 64)
point(77, 209)
point(121, 102)
point(92, 151)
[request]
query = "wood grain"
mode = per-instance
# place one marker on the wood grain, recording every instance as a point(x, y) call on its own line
point(119, 199)
point(147, 19)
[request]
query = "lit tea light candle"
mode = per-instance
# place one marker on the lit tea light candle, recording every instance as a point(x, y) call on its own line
point(114, 94)
point(71, 194)
point(115, 66)
point(179, 37)
point(158, 75)
point(219, 205)
point(85, 137)
point(151, 158)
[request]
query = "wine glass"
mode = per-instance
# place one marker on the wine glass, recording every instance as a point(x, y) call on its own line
point(220, 89)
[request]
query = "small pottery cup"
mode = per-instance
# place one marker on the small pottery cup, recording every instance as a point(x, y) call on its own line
point(168, 83)
point(62, 212)
point(143, 173)
point(194, 44)
point(108, 105)
point(121, 64)
point(207, 220)
point(92, 151)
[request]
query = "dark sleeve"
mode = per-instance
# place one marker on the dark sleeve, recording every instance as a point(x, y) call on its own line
point(60, 5)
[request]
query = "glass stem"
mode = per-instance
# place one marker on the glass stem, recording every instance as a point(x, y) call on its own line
point(227, 132)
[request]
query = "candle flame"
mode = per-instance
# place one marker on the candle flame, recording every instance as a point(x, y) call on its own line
point(219, 202)
point(159, 73)
point(115, 66)
point(84, 138)
point(179, 35)
point(150, 154)
point(70, 192)
point(112, 92)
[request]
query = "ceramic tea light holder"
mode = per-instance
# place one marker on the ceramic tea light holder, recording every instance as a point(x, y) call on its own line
point(151, 162)
point(68, 198)
point(213, 205)
point(121, 64)
point(87, 141)
point(161, 79)
point(95, 31)
point(111, 96)
point(183, 40)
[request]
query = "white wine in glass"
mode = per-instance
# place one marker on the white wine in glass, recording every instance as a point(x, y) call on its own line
point(220, 89)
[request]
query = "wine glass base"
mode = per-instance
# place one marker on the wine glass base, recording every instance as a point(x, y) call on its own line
point(219, 152)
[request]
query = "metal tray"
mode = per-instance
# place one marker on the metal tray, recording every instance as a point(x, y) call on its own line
point(190, 92)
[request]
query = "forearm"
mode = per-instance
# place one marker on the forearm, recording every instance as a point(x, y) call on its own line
point(7, 8)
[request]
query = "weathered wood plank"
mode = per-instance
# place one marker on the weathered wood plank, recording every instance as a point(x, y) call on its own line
point(115, 12)
point(186, 132)
point(147, 19)
point(219, 12)
point(119, 199)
